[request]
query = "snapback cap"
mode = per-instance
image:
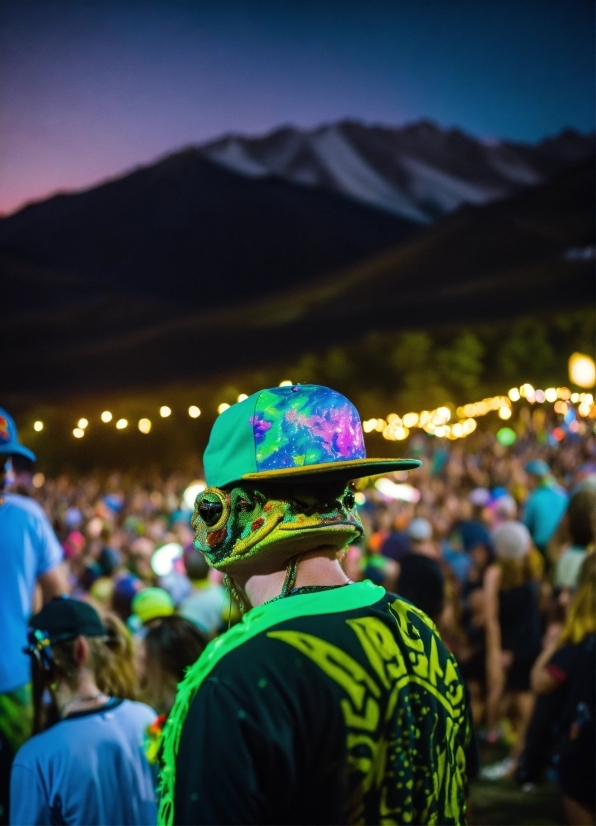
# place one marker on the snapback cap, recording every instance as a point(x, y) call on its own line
point(9, 438)
point(303, 431)
point(152, 603)
point(537, 467)
point(65, 619)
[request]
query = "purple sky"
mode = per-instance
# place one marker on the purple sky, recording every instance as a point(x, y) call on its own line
point(91, 89)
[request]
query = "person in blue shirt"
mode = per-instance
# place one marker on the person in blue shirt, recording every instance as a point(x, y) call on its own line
point(30, 554)
point(545, 505)
point(90, 766)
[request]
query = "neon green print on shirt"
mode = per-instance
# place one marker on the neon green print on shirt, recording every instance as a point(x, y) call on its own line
point(405, 719)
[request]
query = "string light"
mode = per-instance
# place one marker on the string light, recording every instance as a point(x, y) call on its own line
point(437, 422)
point(286, 383)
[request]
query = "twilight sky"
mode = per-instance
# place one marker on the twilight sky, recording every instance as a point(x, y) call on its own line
point(89, 89)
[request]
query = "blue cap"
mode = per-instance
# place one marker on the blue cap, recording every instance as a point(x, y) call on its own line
point(538, 467)
point(9, 438)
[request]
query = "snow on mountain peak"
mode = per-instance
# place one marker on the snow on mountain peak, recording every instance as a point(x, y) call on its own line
point(418, 171)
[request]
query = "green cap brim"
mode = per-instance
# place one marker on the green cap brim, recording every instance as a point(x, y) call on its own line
point(332, 471)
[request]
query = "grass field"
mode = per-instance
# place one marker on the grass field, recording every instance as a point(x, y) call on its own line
point(503, 803)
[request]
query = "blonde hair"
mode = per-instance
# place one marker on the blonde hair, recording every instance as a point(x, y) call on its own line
point(516, 572)
point(110, 660)
point(581, 618)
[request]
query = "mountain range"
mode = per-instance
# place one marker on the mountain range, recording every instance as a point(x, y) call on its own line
point(188, 269)
point(419, 171)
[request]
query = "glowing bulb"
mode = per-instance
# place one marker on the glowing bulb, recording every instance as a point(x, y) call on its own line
point(286, 383)
point(514, 394)
point(410, 420)
point(505, 413)
point(457, 430)
point(38, 427)
point(121, 424)
point(582, 370)
point(144, 425)
point(78, 433)
point(223, 406)
point(242, 396)
point(443, 413)
point(106, 416)
point(469, 426)
point(165, 411)
point(401, 433)
point(369, 425)
point(194, 412)
point(82, 423)
point(550, 394)
point(584, 409)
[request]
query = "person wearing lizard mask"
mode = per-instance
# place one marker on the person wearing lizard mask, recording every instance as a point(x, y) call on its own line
point(332, 701)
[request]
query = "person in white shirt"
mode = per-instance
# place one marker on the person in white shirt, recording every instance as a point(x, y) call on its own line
point(90, 766)
point(30, 554)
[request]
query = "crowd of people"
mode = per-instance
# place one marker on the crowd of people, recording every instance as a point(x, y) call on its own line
point(495, 544)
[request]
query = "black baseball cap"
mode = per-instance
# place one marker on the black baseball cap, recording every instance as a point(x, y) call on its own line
point(65, 619)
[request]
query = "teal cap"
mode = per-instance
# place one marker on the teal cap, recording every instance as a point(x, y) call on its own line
point(9, 438)
point(537, 467)
point(303, 430)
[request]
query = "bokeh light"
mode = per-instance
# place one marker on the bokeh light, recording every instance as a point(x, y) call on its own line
point(194, 412)
point(38, 426)
point(106, 416)
point(191, 493)
point(506, 436)
point(144, 425)
point(582, 370)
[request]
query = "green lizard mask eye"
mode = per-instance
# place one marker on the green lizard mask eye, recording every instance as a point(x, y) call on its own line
point(212, 507)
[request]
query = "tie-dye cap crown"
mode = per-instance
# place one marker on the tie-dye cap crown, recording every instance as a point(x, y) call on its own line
point(304, 431)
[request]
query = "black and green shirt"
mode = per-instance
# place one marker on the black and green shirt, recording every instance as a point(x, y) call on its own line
point(341, 706)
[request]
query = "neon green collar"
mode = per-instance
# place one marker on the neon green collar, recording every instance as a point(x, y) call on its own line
point(335, 601)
